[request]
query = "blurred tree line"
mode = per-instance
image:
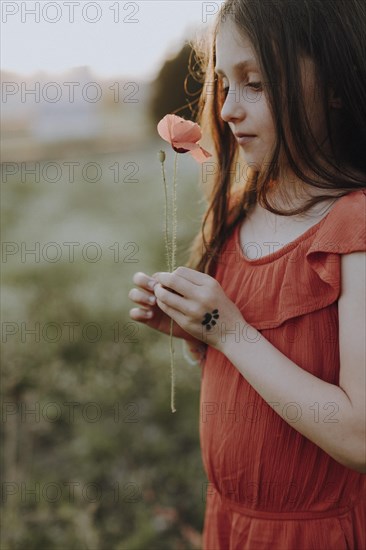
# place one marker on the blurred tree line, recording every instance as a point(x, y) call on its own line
point(177, 87)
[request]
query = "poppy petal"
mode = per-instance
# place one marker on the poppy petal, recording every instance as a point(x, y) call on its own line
point(163, 128)
point(186, 131)
point(200, 154)
point(183, 136)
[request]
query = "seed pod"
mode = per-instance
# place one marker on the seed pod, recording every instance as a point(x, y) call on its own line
point(161, 156)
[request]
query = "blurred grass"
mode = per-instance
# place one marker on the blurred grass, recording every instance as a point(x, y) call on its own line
point(111, 466)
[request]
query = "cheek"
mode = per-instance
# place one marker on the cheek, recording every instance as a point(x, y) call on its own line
point(266, 127)
point(262, 114)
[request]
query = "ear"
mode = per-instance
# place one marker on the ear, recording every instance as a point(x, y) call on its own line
point(334, 101)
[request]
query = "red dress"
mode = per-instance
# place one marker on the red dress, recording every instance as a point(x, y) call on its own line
point(269, 487)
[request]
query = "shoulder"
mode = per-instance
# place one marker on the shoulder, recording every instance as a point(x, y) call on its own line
point(353, 275)
point(354, 202)
point(352, 330)
point(353, 263)
point(353, 281)
point(352, 302)
point(344, 229)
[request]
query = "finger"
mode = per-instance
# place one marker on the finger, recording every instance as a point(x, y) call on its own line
point(178, 284)
point(181, 320)
point(171, 299)
point(142, 297)
point(139, 314)
point(143, 280)
point(191, 275)
point(176, 315)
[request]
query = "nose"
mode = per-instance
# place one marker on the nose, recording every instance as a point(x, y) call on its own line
point(233, 108)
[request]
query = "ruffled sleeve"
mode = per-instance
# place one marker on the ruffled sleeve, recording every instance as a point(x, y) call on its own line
point(305, 275)
point(343, 232)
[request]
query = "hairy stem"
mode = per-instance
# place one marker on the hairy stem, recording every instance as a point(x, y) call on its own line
point(174, 246)
point(167, 240)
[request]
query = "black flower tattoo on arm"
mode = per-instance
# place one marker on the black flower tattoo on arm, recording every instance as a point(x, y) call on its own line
point(209, 319)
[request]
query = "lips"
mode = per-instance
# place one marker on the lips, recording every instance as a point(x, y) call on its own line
point(244, 139)
point(241, 134)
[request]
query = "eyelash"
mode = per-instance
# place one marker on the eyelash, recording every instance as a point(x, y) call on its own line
point(256, 85)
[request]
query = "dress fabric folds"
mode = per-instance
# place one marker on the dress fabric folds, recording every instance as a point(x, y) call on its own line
point(268, 486)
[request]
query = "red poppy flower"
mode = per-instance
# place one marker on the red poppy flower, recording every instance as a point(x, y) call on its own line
point(183, 136)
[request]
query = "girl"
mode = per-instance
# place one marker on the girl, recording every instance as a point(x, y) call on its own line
point(274, 289)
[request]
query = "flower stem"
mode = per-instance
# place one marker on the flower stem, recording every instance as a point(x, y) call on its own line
point(172, 406)
point(167, 240)
point(174, 213)
point(173, 250)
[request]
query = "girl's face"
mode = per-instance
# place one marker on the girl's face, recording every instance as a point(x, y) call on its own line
point(246, 109)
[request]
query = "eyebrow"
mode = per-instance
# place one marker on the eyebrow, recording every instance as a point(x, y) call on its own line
point(239, 67)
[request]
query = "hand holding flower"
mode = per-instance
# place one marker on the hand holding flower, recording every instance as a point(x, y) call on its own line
point(199, 305)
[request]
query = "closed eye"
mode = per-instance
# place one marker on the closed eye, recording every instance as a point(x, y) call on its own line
point(255, 85)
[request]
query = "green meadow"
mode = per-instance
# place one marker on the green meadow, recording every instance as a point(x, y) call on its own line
point(94, 458)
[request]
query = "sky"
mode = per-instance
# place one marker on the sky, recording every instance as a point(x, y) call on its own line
point(112, 37)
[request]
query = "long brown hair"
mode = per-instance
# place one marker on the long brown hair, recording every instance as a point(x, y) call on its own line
point(332, 34)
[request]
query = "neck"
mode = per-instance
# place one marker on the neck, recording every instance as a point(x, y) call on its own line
point(289, 192)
